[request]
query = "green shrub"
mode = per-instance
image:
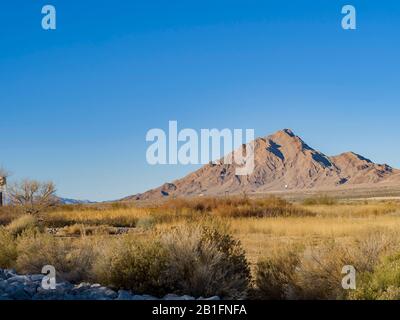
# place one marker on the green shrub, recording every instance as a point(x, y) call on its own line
point(381, 284)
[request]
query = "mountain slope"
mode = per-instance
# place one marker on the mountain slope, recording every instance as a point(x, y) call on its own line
point(74, 201)
point(283, 161)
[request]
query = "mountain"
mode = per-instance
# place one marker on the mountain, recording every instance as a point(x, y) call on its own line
point(74, 201)
point(283, 162)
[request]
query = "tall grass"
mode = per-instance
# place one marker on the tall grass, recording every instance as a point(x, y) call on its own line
point(127, 217)
point(8, 214)
point(320, 200)
point(8, 249)
point(72, 260)
point(289, 250)
point(235, 207)
point(22, 223)
point(356, 209)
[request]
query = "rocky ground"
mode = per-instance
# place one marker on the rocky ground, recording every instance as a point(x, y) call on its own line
point(28, 287)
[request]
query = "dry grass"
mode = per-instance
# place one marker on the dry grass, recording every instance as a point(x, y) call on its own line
point(22, 223)
point(356, 209)
point(72, 259)
point(325, 235)
point(260, 235)
point(8, 249)
point(77, 230)
point(236, 207)
point(125, 217)
point(8, 214)
point(320, 200)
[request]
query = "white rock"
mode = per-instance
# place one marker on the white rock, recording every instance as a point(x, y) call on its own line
point(138, 297)
point(124, 295)
point(171, 296)
point(37, 277)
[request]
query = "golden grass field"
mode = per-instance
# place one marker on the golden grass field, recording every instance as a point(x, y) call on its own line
point(362, 232)
point(341, 221)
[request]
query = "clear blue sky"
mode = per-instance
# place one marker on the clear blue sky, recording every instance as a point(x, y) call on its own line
point(76, 103)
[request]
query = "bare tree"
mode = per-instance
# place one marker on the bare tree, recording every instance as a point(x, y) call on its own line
point(33, 196)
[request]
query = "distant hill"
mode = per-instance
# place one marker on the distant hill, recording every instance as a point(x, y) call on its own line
point(73, 201)
point(283, 162)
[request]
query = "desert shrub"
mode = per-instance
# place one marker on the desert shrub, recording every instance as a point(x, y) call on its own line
point(206, 261)
point(133, 263)
point(276, 275)
point(317, 272)
point(72, 260)
point(320, 200)
point(370, 247)
point(319, 275)
point(198, 260)
point(390, 293)
point(383, 283)
point(314, 273)
point(8, 249)
point(17, 226)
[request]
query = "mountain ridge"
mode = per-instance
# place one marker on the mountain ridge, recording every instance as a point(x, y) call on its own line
point(283, 162)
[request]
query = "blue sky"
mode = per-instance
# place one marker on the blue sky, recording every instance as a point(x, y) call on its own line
point(76, 102)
